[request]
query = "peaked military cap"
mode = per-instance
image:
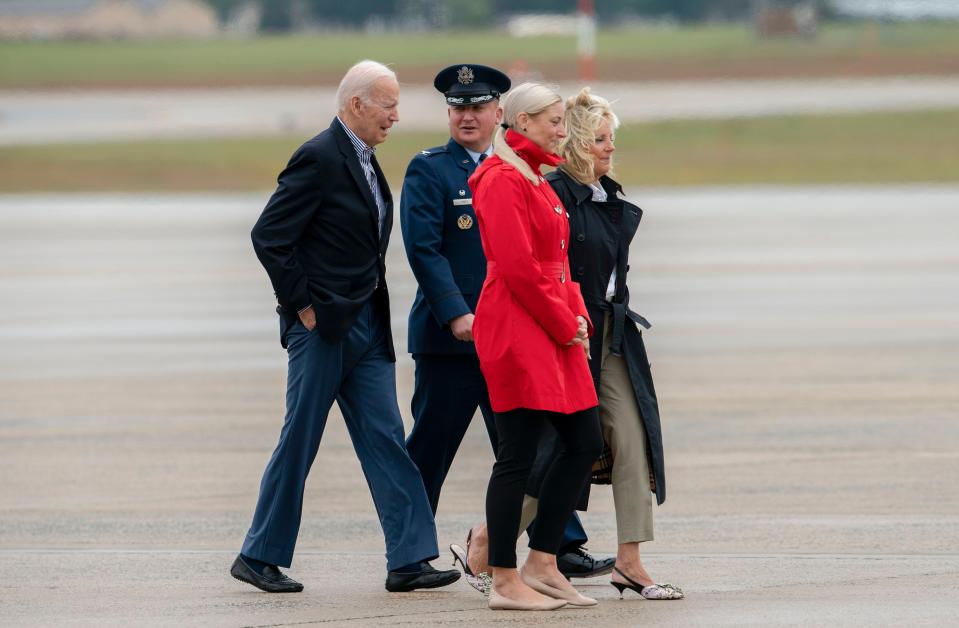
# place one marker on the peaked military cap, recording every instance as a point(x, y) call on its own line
point(470, 83)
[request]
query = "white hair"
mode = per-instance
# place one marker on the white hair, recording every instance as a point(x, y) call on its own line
point(359, 81)
point(529, 98)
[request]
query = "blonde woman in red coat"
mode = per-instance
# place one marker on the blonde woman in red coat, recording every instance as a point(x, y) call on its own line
point(531, 334)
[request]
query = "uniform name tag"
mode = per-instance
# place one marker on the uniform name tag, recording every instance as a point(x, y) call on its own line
point(462, 201)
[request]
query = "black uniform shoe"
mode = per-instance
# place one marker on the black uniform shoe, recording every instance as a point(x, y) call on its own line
point(419, 575)
point(576, 563)
point(271, 580)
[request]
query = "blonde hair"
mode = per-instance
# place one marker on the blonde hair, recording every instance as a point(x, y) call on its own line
point(529, 98)
point(585, 113)
point(359, 81)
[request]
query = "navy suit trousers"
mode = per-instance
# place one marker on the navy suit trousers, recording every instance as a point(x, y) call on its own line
point(357, 373)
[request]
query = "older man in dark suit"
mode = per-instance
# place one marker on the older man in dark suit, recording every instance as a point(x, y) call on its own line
point(322, 239)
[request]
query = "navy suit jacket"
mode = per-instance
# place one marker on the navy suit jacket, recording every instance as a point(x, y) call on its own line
point(443, 247)
point(318, 236)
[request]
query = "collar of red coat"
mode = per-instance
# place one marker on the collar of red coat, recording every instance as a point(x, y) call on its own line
point(529, 152)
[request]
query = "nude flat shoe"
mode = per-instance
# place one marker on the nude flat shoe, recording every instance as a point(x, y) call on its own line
point(498, 602)
point(573, 599)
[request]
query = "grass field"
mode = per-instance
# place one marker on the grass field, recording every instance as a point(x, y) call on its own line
point(652, 53)
point(919, 146)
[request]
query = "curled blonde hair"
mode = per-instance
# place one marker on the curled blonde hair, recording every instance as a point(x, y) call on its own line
point(585, 112)
point(529, 98)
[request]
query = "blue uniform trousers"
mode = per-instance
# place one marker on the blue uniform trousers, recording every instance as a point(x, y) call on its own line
point(356, 371)
point(446, 393)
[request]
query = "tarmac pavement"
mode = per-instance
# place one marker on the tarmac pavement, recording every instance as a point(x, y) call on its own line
point(804, 347)
point(57, 116)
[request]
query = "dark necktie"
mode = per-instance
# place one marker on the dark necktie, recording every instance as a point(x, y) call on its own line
point(482, 157)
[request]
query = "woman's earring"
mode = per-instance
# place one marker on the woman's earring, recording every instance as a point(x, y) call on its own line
point(524, 129)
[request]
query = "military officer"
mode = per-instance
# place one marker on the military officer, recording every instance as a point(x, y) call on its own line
point(445, 253)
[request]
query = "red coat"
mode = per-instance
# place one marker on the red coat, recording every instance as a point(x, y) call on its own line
point(528, 307)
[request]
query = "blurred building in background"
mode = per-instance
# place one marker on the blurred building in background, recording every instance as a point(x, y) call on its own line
point(154, 19)
point(897, 9)
point(786, 20)
point(106, 19)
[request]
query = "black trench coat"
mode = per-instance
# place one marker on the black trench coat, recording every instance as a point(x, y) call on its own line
point(600, 234)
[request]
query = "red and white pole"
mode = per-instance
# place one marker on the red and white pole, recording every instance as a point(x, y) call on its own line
point(586, 39)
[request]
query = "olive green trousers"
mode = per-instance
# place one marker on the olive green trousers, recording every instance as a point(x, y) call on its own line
point(623, 431)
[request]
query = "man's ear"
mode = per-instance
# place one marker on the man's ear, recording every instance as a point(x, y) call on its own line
point(499, 115)
point(356, 103)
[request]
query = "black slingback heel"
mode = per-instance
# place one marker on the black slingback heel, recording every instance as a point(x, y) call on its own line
point(652, 592)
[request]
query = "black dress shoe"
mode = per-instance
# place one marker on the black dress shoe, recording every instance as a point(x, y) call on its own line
point(577, 563)
point(271, 580)
point(419, 576)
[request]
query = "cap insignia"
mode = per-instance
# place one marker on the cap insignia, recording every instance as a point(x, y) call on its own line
point(464, 75)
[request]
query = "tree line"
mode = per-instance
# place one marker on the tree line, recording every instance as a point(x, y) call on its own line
point(280, 15)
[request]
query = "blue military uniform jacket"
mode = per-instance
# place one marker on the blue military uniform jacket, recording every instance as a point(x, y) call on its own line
point(443, 247)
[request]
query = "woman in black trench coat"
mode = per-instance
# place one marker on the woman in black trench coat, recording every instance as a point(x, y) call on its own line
point(602, 225)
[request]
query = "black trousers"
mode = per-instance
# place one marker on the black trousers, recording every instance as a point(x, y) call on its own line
point(519, 437)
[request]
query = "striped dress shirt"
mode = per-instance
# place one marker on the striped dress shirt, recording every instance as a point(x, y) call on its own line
point(365, 155)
